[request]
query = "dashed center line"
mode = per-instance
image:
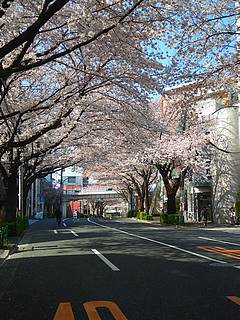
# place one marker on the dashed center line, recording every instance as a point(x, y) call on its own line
point(75, 234)
point(104, 259)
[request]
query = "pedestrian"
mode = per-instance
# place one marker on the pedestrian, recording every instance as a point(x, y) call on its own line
point(204, 215)
point(75, 215)
point(34, 212)
point(58, 214)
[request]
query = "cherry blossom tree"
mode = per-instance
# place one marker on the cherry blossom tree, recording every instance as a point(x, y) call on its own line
point(72, 71)
point(60, 49)
point(175, 148)
point(205, 42)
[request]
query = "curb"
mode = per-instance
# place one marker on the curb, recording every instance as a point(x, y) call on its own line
point(4, 254)
point(7, 253)
point(13, 249)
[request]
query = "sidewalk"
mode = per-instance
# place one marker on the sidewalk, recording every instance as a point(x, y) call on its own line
point(13, 244)
point(196, 225)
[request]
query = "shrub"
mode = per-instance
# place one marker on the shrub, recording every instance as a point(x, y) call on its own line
point(171, 218)
point(16, 227)
point(148, 217)
point(3, 236)
point(11, 228)
point(141, 215)
point(20, 225)
point(131, 213)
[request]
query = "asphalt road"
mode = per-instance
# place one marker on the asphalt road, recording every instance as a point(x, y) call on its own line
point(106, 270)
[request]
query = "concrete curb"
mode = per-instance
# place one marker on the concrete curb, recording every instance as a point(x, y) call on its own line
point(4, 254)
point(13, 249)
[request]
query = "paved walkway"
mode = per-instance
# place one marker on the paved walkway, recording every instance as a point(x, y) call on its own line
point(156, 221)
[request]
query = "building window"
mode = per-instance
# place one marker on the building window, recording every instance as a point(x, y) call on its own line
point(71, 180)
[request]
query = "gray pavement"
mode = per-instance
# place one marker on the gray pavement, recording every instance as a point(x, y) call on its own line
point(144, 271)
point(14, 241)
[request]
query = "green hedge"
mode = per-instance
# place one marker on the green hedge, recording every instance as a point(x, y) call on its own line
point(143, 216)
point(3, 237)
point(131, 213)
point(139, 215)
point(17, 227)
point(171, 218)
point(20, 225)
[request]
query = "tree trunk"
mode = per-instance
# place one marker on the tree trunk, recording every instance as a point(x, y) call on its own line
point(24, 199)
point(11, 197)
point(147, 198)
point(142, 198)
point(130, 197)
point(171, 184)
point(171, 203)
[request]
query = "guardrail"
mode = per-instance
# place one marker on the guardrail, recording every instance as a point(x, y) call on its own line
point(3, 236)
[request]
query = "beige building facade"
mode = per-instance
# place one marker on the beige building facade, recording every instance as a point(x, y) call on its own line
point(217, 187)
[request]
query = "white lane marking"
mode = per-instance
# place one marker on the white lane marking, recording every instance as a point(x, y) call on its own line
point(64, 224)
point(73, 232)
point(55, 231)
point(104, 259)
point(161, 243)
point(221, 241)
